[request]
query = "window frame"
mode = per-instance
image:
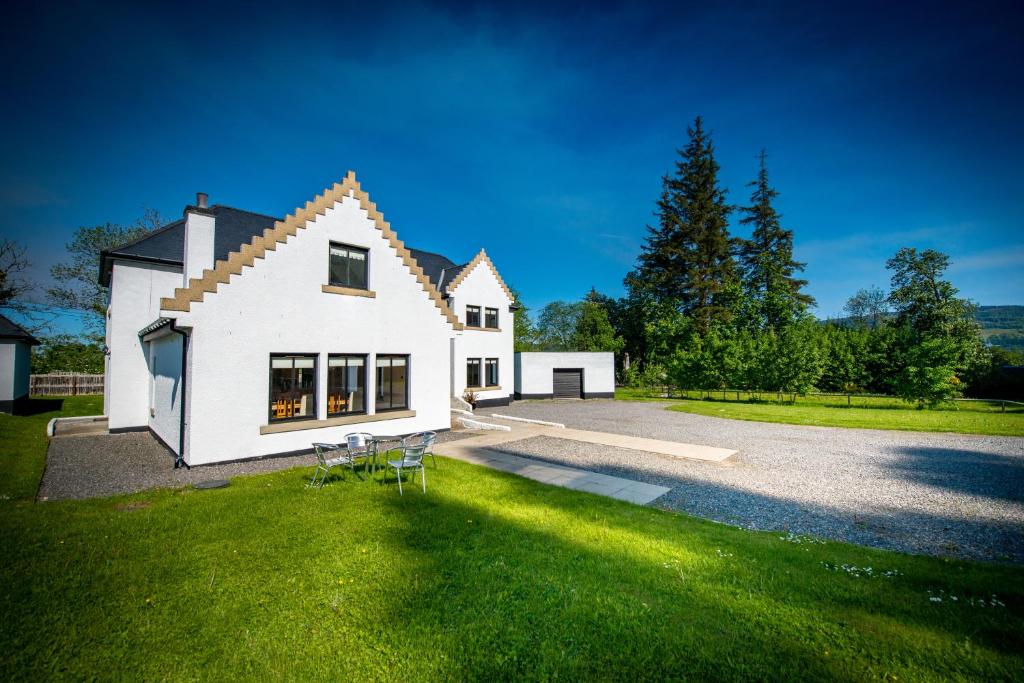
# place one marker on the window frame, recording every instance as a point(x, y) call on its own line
point(351, 247)
point(497, 377)
point(270, 387)
point(477, 313)
point(376, 383)
point(479, 373)
point(366, 363)
point(487, 314)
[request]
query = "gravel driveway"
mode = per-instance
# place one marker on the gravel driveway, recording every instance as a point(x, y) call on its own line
point(941, 494)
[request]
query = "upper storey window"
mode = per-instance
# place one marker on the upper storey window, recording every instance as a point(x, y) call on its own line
point(472, 316)
point(349, 266)
point(491, 318)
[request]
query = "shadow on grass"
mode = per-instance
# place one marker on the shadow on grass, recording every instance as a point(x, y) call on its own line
point(37, 406)
point(519, 596)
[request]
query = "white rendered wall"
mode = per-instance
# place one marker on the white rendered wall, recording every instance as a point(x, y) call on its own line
point(534, 371)
point(165, 389)
point(481, 288)
point(277, 306)
point(8, 369)
point(135, 291)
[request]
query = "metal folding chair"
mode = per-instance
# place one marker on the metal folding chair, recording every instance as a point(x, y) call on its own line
point(324, 463)
point(412, 459)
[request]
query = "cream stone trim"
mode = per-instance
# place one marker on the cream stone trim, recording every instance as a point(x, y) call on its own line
point(300, 425)
point(348, 291)
point(481, 329)
point(484, 258)
point(247, 254)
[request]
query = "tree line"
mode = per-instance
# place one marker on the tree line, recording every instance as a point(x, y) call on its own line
point(708, 310)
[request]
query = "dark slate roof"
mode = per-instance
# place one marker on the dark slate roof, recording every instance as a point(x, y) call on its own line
point(439, 269)
point(11, 330)
point(235, 227)
point(167, 244)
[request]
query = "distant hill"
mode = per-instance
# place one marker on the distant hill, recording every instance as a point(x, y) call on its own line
point(1000, 325)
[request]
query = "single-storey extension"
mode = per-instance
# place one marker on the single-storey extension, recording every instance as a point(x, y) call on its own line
point(540, 374)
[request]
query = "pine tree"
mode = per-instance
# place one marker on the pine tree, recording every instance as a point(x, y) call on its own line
point(772, 291)
point(687, 258)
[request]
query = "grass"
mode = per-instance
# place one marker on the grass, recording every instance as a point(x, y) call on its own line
point(973, 417)
point(486, 576)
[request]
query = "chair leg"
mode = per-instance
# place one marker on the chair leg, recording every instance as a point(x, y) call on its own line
point(423, 470)
point(399, 474)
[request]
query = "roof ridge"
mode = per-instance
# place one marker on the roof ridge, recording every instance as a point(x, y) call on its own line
point(283, 229)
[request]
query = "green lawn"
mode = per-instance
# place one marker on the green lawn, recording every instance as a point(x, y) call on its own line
point(863, 412)
point(487, 576)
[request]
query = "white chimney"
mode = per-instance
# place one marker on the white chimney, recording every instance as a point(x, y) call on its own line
point(199, 233)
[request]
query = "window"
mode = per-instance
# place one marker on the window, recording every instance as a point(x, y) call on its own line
point(392, 383)
point(473, 372)
point(348, 266)
point(292, 387)
point(491, 369)
point(346, 384)
point(472, 316)
point(491, 318)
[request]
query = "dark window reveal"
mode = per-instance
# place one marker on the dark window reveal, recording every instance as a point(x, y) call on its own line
point(292, 387)
point(346, 384)
point(491, 318)
point(392, 383)
point(491, 370)
point(348, 266)
point(472, 316)
point(473, 372)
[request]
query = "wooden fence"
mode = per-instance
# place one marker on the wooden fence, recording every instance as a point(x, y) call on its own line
point(65, 384)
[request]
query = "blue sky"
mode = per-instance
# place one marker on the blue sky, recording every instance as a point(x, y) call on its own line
point(537, 131)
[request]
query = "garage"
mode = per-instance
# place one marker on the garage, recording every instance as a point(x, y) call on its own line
point(567, 383)
point(564, 374)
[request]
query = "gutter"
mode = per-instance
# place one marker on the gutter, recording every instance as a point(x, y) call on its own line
point(180, 460)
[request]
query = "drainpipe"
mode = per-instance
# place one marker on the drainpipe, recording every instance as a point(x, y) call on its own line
point(180, 460)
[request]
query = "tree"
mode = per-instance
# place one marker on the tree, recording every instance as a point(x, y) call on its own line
point(868, 307)
point(594, 331)
point(77, 279)
point(556, 326)
point(939, 327)
point(64, 353)
point(13, 266)
point(687, 257)
point(766, 261)
point(524, 332)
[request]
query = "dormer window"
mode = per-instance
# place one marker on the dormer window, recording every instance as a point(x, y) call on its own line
point(472, 316)
point(348, 266)
point(491, 318)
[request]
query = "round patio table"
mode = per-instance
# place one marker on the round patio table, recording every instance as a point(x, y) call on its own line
point(384, 439)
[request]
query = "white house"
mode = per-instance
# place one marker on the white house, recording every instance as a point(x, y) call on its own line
point(234, 335)
point(572, 374)
point(15, 365)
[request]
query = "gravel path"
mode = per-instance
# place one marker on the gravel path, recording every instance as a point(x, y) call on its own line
point(112, 464)
point(941, 494)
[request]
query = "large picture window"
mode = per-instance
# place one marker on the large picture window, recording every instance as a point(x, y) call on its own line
point(472, 316)
point(346, 384)
point(491, 372)
point(473, 372)
point(348, 266)
point(292, 387)
point(392, 383)
point(491, 318)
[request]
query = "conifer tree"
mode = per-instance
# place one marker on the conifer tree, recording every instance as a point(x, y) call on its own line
point(772, 290)
point(687, 258)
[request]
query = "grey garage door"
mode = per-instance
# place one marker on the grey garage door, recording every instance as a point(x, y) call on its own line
point(568, 383)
